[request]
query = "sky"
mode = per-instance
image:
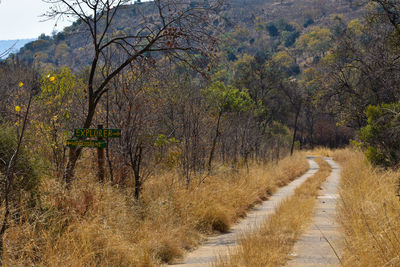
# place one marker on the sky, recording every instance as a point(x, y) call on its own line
point(20, 19)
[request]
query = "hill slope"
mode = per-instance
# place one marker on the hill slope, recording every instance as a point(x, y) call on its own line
point(247, 23)
point(14, 44)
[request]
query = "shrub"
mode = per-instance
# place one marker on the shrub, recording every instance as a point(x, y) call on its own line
point(308, 22)
point(380, 137)
point(25, 178)
point(289, 37)
point(272, 30)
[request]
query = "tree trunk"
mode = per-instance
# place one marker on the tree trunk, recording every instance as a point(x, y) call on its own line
point(110, 166)
point(73, 156)
point(100, 159)
point(295, 131)
point(278, 152)
point(214, 143)
point(75, 152)
point(136, 161)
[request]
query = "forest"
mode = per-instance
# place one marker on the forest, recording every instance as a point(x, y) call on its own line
point(198, 110)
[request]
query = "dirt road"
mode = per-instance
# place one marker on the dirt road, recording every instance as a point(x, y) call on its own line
point(220, 245)
point(320, 244)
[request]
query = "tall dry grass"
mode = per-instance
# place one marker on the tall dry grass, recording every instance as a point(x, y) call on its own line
point(369, 212)
point(102, 225)
point(321, 151)
point(271, 244)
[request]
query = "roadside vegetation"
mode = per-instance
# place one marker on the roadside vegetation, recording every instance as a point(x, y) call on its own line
point(210, 98)
point(271, 244)
point(369, 211)
point(94, 224)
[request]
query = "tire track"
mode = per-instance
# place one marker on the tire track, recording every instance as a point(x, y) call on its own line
point(320, 244)
point(221, 245)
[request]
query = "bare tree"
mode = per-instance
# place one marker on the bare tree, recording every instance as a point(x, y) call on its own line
point(295, 95)
point(4, 53)
point(391, 10)
point(168, 27)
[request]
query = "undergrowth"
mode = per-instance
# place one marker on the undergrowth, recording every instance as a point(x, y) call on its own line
point(102, 225)
point(369, 212)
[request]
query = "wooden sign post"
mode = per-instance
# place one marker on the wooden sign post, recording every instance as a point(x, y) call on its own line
point(100, 157)
point(99, 143)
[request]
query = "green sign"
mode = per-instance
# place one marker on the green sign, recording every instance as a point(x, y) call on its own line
point(104, 133)
point(86, 143)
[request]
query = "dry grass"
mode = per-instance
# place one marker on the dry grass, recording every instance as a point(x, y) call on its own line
point(320, 152)
point(369, 212)
point(96, 225)
point(271, 244)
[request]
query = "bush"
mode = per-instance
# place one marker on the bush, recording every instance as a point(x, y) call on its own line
point(294, 69)
point(289, 37)
point(25, 178)
point(282, 25)
point(272, 30)
point(380, 137)
point(308, 22)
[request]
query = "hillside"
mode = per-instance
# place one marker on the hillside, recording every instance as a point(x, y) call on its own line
point(191, 113)
point(14, 44)
point(246, 24)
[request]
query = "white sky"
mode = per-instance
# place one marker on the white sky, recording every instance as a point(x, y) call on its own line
point(20, 19)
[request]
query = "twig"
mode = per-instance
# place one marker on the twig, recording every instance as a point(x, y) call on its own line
point(330, 244)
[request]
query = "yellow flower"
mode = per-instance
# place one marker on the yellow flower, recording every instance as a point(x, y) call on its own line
point(52, 79)
point(21, 84)
point(17, 108)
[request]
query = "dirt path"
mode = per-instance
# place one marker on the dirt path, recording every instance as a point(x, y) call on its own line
point(221, 244)
point(318, 245)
